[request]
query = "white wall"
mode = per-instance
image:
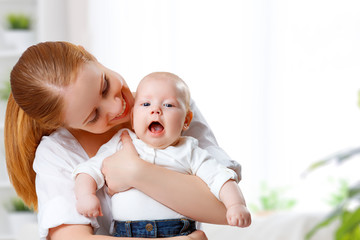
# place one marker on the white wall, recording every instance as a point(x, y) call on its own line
point(277, 80)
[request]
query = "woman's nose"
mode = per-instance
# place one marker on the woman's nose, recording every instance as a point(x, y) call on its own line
point(113, 107)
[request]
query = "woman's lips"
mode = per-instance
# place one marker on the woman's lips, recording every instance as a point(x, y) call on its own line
point(120, 115)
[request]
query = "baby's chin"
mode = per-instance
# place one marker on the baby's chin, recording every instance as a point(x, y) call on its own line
point(158, 146)
point(161, 144)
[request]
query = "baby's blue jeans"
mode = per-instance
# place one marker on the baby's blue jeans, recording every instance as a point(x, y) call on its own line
point(154, 228)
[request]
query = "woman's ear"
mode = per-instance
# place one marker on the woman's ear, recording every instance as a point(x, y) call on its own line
point(188, 118)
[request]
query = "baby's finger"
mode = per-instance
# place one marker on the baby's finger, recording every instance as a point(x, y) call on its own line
point(247, 222)
point(125, 137)
point(241, 222)
point(232, 221)
point(127, 142)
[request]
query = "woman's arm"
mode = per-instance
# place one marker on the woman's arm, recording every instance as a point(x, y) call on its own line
point(201, 130)
point(186, 194)
point(85, 232)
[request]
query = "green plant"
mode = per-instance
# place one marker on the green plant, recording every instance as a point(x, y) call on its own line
point(347, 212)
point(340, 193)
point(16, 204)
point(5, 91)
point(272, 199)
point(18, 21)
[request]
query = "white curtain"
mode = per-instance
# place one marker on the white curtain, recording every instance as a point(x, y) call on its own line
point(276, 80)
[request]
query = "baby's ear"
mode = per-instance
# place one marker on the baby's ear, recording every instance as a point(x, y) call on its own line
point(188, 118)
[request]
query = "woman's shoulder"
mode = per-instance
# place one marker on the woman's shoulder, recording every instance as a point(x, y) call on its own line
point(58, 148)
point(189, 141)
point(59, 138)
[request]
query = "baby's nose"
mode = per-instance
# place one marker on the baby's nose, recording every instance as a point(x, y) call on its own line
point(156, 110)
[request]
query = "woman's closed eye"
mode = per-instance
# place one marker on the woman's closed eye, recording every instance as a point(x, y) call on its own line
point(96, 116)
point(106, 86)
point(104, 90)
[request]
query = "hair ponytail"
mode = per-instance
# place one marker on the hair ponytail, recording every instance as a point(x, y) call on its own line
point(22, 136)
point(35, 107)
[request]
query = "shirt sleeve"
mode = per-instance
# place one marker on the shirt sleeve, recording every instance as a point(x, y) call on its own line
point(55, 189)
point(209, 169)
point(200, 130)
point(93, 166)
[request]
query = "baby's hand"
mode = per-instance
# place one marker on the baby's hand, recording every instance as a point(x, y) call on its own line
point(89, 206)
point(121, 168)
point(238, 215)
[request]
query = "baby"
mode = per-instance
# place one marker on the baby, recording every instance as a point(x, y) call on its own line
point(160, 114)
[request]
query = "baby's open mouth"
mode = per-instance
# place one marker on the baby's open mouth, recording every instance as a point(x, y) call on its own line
point(156, 127)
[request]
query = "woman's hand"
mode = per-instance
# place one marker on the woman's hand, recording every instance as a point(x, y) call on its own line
point(197, 235)
point(121, 168)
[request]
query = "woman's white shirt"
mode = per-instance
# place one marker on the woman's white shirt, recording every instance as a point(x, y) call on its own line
point(56, 158)
point(200, 130)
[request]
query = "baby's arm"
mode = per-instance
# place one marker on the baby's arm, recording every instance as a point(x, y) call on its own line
point(88, 179)
point(237, 214)
point(87, 203)
point(222, 184)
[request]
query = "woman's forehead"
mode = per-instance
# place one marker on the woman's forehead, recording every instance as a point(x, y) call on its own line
point(82, 95)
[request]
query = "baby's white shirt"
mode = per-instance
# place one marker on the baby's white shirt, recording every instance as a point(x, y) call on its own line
point(186, 157)
point(56, 158)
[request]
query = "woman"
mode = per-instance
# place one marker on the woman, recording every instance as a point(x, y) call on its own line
point(64, 105)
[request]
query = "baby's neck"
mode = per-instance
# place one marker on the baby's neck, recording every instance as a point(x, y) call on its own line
point(162, 147)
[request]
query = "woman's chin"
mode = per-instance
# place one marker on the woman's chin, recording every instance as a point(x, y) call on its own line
point(122, 122)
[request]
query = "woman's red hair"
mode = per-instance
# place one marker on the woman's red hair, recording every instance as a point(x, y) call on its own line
point(35, 107)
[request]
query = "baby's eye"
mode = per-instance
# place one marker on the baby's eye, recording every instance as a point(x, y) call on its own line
point(145, 104)
point(168, 105)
